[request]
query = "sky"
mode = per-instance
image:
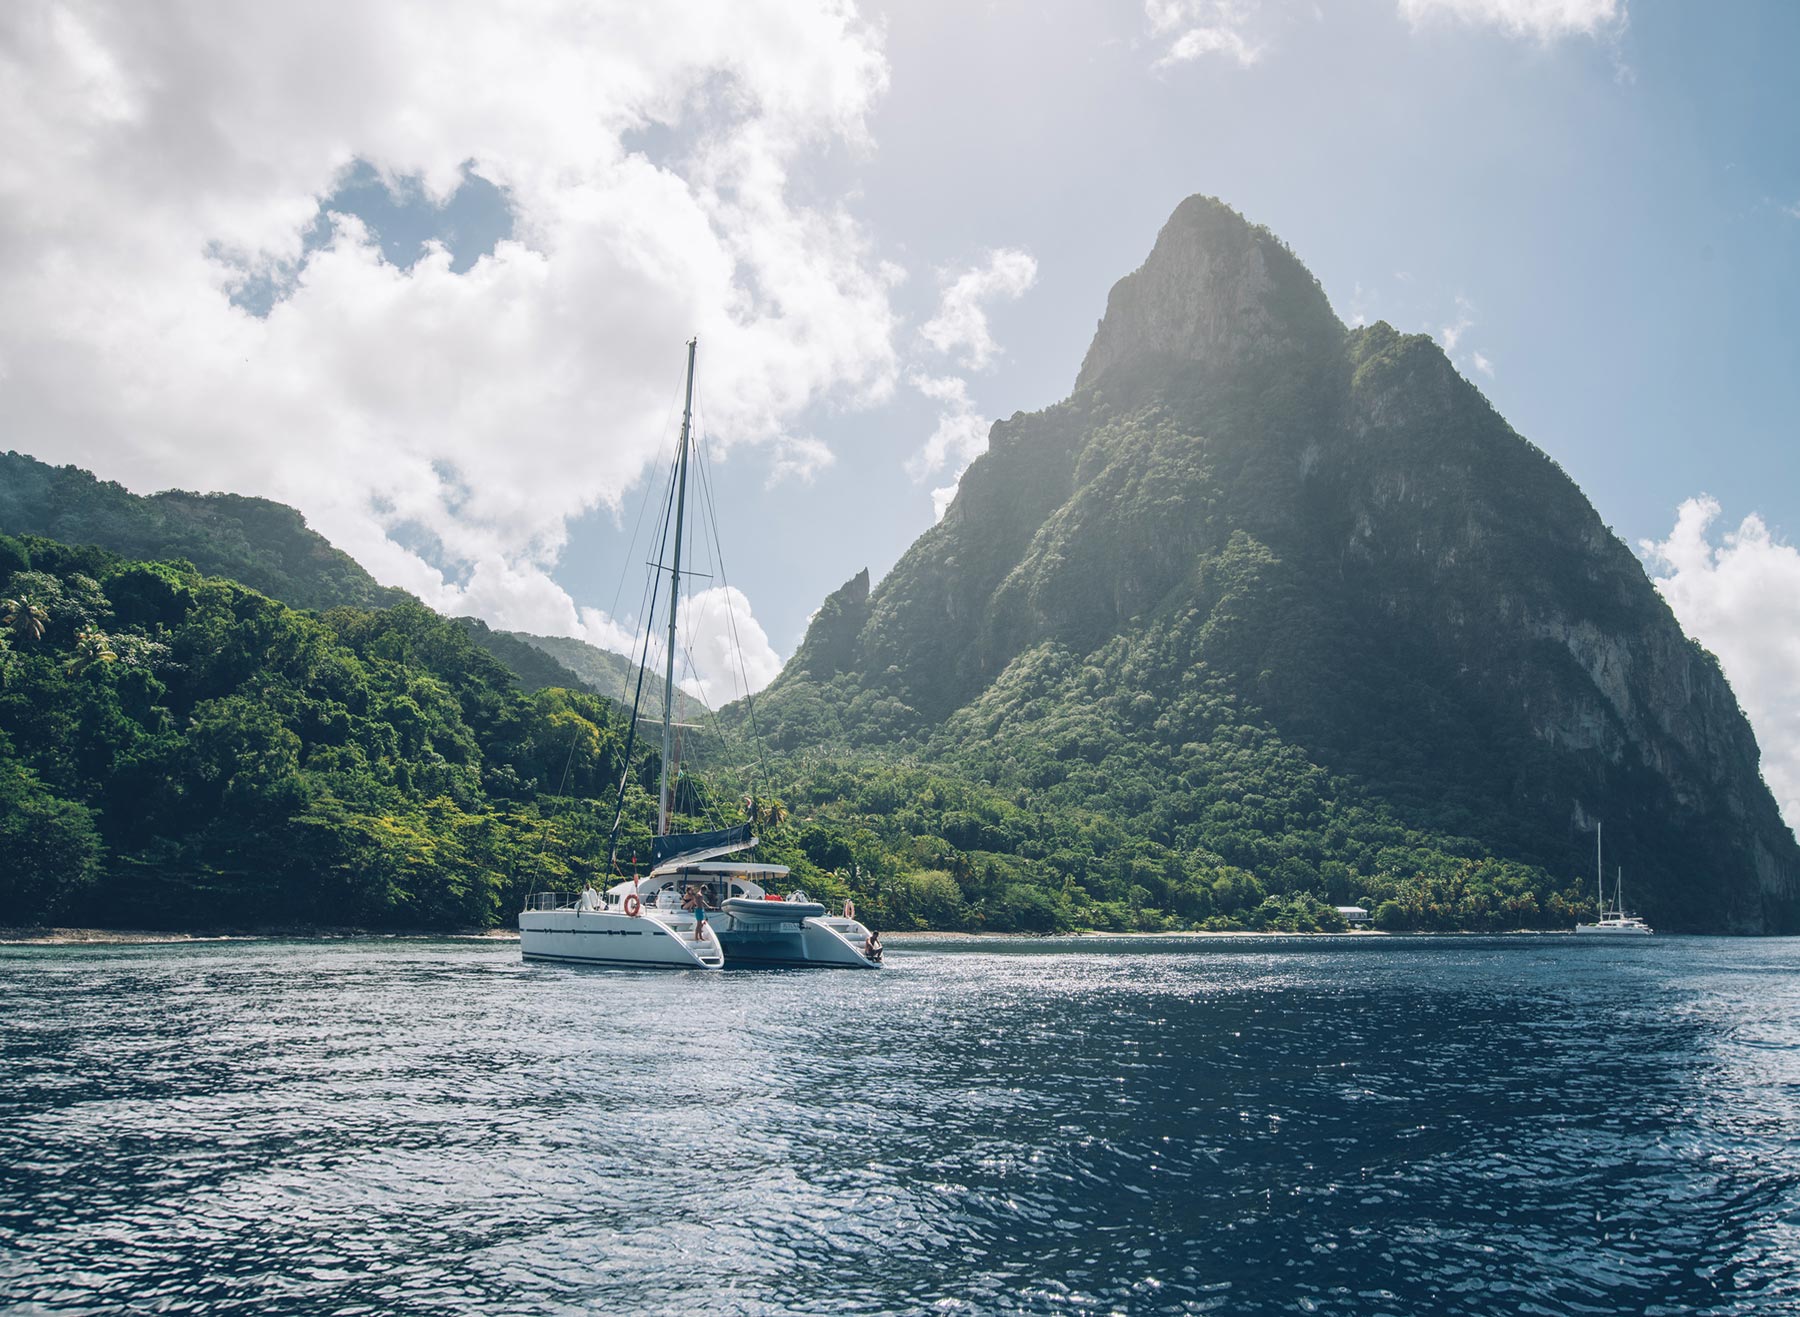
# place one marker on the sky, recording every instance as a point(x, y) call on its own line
point(425, 270)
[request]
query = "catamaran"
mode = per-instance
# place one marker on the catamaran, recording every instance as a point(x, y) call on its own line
point(693, 910)
point(1614, 920)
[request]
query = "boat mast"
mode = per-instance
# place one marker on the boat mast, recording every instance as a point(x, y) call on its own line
point(1599, 873)
point(668, 746)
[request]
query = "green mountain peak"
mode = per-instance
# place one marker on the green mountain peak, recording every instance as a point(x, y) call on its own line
point(1215, 294)
point(1293, 599)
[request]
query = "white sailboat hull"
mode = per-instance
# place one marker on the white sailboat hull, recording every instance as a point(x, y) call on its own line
point(615, 939)
point(1606, 929)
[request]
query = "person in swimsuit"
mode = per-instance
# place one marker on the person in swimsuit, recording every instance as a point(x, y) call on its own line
point(872, 945)
point(692, 900)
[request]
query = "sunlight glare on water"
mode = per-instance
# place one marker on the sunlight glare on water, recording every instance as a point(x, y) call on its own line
point(1449, 1125)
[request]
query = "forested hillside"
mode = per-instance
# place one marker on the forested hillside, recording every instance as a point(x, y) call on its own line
point(178, 751)
point(258, 543)
point(264, 545)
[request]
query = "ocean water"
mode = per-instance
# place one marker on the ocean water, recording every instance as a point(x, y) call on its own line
point(1363, 1126)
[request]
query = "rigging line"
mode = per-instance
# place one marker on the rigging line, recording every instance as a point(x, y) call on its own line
point(654, 570)
point(612, 840)
point(630, 553)
point(703, 493)
point(631, 548)
point(693, 669)
point(717, 724)
point(731, 614)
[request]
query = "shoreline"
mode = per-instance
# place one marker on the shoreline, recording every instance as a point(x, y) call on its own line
point(100, 937)
point(125, 937)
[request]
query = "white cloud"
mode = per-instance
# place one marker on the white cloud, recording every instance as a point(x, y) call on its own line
point(961, 321)
point(1482, 364)
point(1544, 20)
point(723, 647)
point(961, 433)
point(1194, 29)
point(960, 437)
point(960, 327)
point(157, 155)
point(1452, 334)
point(1739, 595)
point(799, 457)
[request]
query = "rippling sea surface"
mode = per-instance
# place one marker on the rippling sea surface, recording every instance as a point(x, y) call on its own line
point(1537, 1125)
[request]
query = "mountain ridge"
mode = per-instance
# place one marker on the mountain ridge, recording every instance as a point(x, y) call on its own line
point(269, 547)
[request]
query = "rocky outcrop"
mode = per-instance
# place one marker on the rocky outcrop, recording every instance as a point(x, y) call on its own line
point(1216, 293)
point(830, 645)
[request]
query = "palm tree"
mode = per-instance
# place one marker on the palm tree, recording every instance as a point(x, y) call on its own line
point(91, 647)
point(25, 619)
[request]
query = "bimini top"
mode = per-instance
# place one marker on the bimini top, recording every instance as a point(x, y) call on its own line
point(686, 848)
point(773, 870)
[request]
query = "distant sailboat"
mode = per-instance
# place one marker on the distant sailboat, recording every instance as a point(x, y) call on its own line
point(1615, 921)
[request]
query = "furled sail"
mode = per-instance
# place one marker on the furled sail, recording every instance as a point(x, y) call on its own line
point(692, 847)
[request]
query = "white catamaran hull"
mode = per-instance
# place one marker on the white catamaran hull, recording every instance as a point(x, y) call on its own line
point(612, 938)
point(771, 941)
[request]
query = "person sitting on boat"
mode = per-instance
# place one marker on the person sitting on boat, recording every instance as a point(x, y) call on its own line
point(871, 947)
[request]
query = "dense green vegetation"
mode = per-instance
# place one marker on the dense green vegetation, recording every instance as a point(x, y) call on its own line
point(179, 751)
point(602, 671)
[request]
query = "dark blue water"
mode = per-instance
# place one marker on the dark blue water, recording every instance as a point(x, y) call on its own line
point(1447, 1126)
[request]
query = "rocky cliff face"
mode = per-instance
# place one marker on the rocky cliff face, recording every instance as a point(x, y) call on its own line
point(1215, 295)
point(1334, 533)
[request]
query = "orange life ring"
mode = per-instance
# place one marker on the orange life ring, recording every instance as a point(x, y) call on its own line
point(849, 910)
point(633, 905)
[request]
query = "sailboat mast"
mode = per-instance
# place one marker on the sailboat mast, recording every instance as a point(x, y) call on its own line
point(1599, 873)
point(681, 461)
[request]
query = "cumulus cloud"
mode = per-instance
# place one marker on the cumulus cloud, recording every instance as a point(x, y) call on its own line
point(960, 329)
point(960, 437)
point(1194, 29)
point(1542, 20)
point(1738, 593)
point(158, 157)
point(725, 651)
point(1482, 364)
point(961, 325)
